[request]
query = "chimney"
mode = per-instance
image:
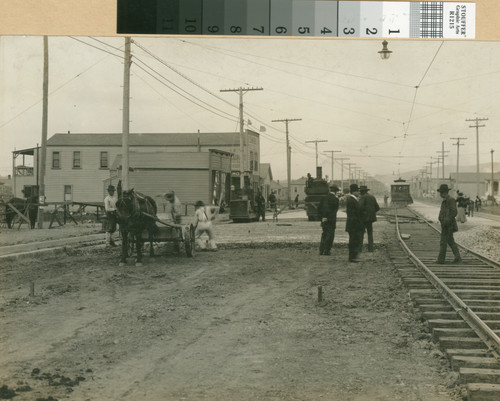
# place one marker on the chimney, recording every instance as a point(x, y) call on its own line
point(319, 172)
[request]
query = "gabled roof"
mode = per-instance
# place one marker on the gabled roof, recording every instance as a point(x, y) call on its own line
point(148, 139)
point(265, 171)
point(300, 181)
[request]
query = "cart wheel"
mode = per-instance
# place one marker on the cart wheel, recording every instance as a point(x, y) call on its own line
point(131, 244)
point(189, 243)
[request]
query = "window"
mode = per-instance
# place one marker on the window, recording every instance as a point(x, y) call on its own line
point(68, 193)
point(251, 161)
point(104, 160)
point(77, 161)
point(56, 160)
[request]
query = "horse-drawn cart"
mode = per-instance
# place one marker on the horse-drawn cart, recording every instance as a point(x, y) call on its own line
point(168, 232)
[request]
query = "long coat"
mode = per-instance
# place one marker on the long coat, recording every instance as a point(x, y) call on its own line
point(329, 206)
point(353, 222)
point(448, 213)
point(369, 208)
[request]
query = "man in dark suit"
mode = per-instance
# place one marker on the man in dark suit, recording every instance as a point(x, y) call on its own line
point(328, 208)
point(354, 224)
point(447, 218)
point(369, 208)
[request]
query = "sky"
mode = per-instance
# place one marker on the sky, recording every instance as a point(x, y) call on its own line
point(383, 116)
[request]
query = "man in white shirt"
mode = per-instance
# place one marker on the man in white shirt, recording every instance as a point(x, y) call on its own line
point(110, 209)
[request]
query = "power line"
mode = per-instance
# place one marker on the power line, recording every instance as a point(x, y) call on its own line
point(477, 126)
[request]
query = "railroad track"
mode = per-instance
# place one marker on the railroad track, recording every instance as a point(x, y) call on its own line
point(460, 302)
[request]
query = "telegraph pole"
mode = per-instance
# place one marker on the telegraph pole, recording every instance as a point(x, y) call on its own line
point(45, 119)
point(349, 166)
point(316, 143)
point(288, 157)
point(442, 151)
point(492, 186)
point(477, 126)
point(430, 170)
point(331, 153)
point(126, 114)
point(342, 172)
point(458, 155)
point(243, 163)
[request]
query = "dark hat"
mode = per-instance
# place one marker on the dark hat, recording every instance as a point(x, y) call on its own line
point(199, 203)
point(443, 188)
point(111, 187)
point(364, 188)
point(334, 188)
point(353, 187)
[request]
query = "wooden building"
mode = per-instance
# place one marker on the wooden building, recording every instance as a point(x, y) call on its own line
point(78, 165)
point(191, 175)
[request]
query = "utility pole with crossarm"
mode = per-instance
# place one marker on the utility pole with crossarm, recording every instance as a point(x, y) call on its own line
point(241, 92)
point(288, 157)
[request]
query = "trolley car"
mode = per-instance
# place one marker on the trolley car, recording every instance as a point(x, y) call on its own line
point(400, 193)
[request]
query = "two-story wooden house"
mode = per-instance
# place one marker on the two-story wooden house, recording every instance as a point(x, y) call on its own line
point(79, 165)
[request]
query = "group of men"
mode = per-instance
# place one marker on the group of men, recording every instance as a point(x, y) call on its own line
point(361, 211)
point(261, 204)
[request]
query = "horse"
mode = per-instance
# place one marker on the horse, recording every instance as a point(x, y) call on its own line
point(135, 212)
point(28, 207)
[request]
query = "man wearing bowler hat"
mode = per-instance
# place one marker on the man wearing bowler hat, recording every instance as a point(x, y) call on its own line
point(354, 224)
point(447, 215)
point(369, 208)
point(328, 208)
point(110, 209)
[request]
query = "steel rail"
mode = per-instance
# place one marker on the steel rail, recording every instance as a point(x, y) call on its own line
point(487, 335)
point(485, 259)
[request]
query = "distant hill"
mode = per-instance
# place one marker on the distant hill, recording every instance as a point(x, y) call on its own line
point(448, 169)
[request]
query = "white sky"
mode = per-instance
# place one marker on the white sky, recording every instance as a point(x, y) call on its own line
point(365, 107)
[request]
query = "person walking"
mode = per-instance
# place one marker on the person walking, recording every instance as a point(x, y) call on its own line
point(272, 201)
point(203, 217)
point(461, 207)
point(354, 224)
point(369, 207)
point(110, 209)
point(261, 206)
point(478, 203)
point(447, 218)
point(328, 208)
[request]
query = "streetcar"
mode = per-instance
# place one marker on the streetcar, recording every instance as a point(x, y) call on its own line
point(400, 193)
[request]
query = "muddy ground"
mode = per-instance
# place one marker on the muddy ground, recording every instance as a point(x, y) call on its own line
point(243, 323)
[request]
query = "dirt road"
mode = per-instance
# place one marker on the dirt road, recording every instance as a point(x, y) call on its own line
point(243, 323)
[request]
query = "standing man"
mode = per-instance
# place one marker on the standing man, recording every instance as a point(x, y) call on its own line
point(369, 208)
point(328, 208)
point(447, 215)
point(174, 206)
point(110, 209)
point(461, 206)
point(354, 224)
point(297, 201)
point(272, 201)
point(261, 206)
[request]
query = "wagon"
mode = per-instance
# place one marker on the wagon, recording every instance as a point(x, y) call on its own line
point(168, 232)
